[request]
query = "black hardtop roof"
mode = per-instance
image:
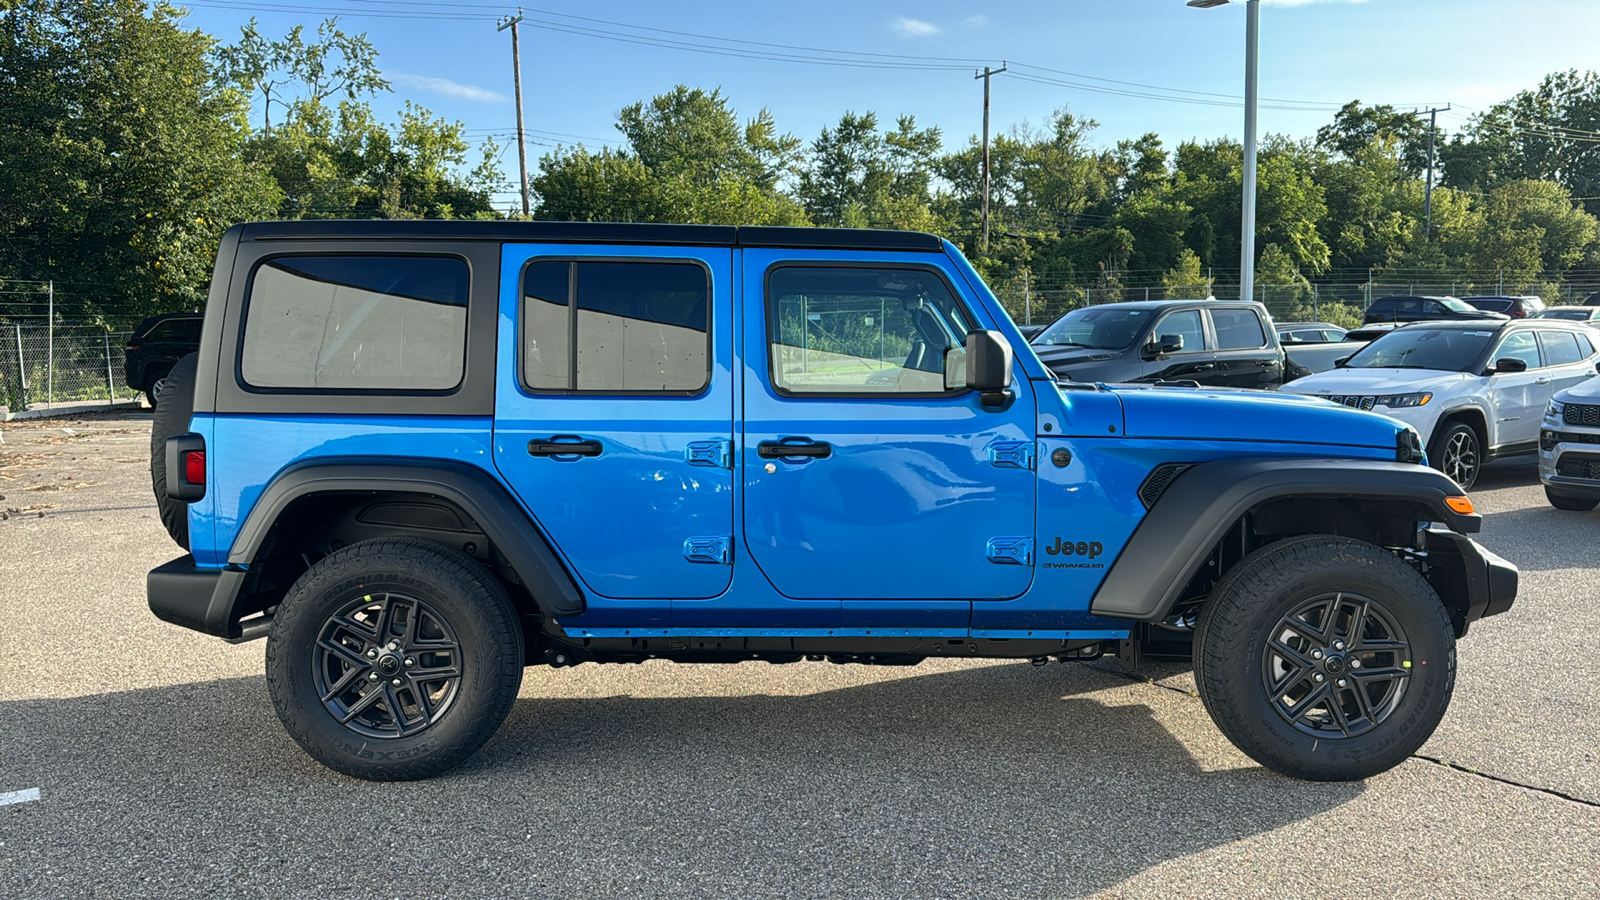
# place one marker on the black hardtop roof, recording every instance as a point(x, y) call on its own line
point(590, 233)
point(1161, 304)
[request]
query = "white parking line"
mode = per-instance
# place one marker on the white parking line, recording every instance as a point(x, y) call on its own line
point(28, 796)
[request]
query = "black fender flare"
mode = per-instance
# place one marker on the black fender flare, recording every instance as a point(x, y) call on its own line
point(1201, 504)
point(475, 491)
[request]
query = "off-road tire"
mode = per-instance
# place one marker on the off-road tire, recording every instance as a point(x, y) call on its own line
point(457, 590)
point(1569, 503)
point(1248, 607)
point(1443, 447)
point(170, 418)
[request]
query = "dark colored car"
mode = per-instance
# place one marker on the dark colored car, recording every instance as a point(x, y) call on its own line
point(1592, 300)
point(1520, 307)
point(156, 346)
point(1424, 309)
point(1211, 342)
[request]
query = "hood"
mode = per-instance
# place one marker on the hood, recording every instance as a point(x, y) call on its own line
point(1375, 381)
point(1210, 414)
point(1059, 356)
point(1583, 392)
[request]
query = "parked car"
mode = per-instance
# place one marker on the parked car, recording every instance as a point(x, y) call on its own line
point(155, 347)
point(1588, 314)
point(1372, 332)
point(1592, 300)
point(1220, 343)
point(1423, 309)
point(1517, 307)
point(1569, 448)
point(420, 456)
point(1309, 333)
point(1474, 391)
point(1030, 331)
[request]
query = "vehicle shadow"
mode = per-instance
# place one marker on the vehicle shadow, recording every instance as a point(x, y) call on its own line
point(999, 780)
point(1541, 538)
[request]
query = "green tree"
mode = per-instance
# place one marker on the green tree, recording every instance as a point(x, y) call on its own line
point(293, 70)
point(1185, 278)
point(1356, 128)
point(1544, 134)
point(120, 162)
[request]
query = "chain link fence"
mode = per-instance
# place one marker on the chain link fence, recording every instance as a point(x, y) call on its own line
point(44, 364)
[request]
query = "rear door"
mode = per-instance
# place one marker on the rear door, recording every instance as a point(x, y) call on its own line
point(1566, 360)
point(614, 417)
point(1245, 358)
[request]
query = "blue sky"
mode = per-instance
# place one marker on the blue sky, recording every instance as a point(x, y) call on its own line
point(1315, 55)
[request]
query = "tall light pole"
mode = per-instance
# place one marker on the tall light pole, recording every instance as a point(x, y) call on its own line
point(1247, 237)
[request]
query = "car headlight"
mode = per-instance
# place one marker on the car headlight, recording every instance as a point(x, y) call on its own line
point(1401, 401)
point(1556, 410)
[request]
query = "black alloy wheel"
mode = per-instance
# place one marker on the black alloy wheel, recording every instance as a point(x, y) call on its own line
point(394, 659)
point(387, 666)
point(1337, 665)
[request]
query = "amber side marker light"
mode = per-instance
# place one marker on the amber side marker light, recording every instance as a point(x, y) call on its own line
point(1461, 505)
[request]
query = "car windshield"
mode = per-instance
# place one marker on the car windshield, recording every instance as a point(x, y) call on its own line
point(1454, 305)
point(1577, 315)
point(1445, 349)
point(1493, 305)
point(1096, 327)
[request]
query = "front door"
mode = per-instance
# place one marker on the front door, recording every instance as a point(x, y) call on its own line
point(868, 473)
point(1196, 361)
point(1516, 398)
point(614, 417)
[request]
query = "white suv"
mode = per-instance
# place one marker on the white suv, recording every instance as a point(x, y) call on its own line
point(1473, 390)
point(1569, 448)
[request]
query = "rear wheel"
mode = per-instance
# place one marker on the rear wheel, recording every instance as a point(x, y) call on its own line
point(394, 659)
point(1325, 658)
point(1570, 503)
point(1457, 452)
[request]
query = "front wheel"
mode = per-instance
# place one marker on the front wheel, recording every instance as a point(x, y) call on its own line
point(1325, 658)
point(1457, 452)
point(394, 659)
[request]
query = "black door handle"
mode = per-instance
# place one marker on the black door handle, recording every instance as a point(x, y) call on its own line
point(563, 445)
point(779, 450)
point(1204, 367)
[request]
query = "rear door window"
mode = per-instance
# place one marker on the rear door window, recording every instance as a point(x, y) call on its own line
point(1560, 348)
point(1238, 329)
point(356, 323)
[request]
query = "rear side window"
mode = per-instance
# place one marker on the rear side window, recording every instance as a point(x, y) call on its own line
point(1584, 346)
point(1238, 329)
point(1560, 348)
point(616, 327)
point(356, 323)
point(187, 330)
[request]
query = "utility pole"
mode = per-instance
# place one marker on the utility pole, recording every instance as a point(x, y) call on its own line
point(1427, 197)
point(985, 75)
point(516, 78)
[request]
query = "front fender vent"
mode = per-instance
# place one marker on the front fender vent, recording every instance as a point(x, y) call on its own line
point(1158, 480)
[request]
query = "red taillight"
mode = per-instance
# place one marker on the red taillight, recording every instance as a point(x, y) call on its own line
point(194, 467)
point(131, 347)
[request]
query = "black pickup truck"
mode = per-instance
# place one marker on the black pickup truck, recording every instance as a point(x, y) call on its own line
point(1218, 343)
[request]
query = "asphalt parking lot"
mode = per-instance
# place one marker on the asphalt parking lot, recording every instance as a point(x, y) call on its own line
point(162, 771)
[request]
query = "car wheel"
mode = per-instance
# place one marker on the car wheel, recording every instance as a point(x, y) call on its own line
point(1457, 452)
point(1326, 658)
point(171, 418)
point(394, 659)
point(157, 389)
point(1572, 504)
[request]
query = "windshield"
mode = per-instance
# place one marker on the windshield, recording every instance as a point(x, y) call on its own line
point(1578, 315)
point(1455, 305)
point(1095, 327)
point(1445, 349)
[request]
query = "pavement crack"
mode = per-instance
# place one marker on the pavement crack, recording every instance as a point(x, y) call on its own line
point(1563, 795)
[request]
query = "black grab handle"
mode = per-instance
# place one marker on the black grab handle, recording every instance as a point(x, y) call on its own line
point(778, 450)
point(555, 447)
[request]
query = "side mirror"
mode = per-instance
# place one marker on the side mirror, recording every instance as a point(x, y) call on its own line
point(1167, 343)
point(988, 362)
point(1508, 366)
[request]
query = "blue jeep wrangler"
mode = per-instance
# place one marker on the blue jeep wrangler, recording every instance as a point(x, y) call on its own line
point(421, 456)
